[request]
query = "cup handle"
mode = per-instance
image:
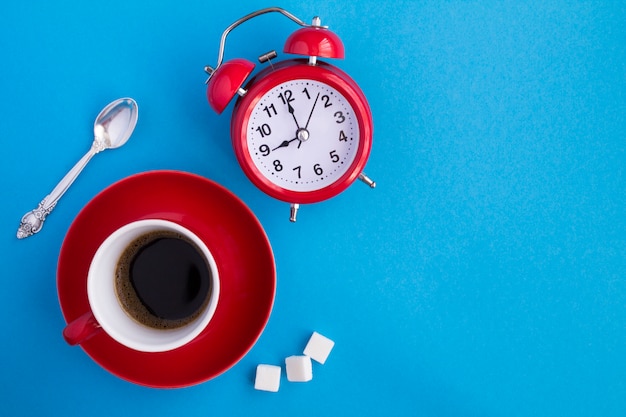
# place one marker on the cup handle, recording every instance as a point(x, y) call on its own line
point(81, 329)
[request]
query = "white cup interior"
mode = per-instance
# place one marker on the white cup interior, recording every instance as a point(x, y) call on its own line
point(107, 309)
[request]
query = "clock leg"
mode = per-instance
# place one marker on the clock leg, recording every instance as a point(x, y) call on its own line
point(367, 180)
point(293, 212)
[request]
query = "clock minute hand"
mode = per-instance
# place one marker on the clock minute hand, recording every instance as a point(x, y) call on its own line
point(291, 110)
point(311, 114)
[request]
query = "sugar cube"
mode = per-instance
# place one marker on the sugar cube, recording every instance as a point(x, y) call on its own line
point(299, 368)
point(267, 378)
point(319, 347)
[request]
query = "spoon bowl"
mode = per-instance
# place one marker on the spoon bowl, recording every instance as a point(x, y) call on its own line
point(116, 123)
point(112, 128)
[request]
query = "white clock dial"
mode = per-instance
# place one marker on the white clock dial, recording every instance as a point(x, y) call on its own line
point(302, 135)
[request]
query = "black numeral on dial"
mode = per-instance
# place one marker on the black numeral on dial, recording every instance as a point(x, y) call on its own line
point(270, 110)
point(340, 117)
point(264, 130)
point(286, 97)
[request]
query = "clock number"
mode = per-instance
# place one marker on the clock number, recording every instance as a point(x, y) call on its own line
point(297, 169)
point(334, 157)
point(271, 113)
point(305, 91)
point(318, 169)
point(340, 117)
point(265, 150)
point(326, 101)
point(264, 130)
point(342, 136)
point(277, 166)
point(286, 97)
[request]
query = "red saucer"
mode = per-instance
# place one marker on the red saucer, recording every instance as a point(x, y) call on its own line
point(234, 236)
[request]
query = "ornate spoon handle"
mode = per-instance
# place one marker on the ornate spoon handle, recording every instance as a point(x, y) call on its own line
point(32, 222)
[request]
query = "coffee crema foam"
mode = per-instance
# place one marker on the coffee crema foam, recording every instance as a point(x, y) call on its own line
point(127, 294)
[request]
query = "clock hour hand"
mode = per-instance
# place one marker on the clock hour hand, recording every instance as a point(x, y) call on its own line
point(284, 144)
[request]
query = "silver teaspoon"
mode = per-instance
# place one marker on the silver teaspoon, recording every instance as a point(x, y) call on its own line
point(112, 128)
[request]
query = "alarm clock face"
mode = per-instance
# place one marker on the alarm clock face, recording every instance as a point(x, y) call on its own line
point(302, 135)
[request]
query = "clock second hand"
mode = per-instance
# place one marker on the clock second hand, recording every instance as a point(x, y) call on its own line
point(313, 108)
point(309, 119)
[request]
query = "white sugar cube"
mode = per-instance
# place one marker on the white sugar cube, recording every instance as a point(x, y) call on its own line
point(267, 378)
point(299, 368)
point(319, 347)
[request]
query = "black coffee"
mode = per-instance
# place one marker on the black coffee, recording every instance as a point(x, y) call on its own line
point(163, 280)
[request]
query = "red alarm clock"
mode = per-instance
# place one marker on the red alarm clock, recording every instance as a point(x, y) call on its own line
point(301, 128)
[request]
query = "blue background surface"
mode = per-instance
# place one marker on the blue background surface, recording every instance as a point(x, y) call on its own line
point(484, 276)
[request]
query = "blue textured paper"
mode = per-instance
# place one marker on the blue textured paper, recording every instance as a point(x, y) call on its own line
point(484, 276)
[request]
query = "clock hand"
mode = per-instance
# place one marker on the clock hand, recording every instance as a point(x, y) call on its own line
point(311, 114)
point(284, 144)
point(291, 110)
